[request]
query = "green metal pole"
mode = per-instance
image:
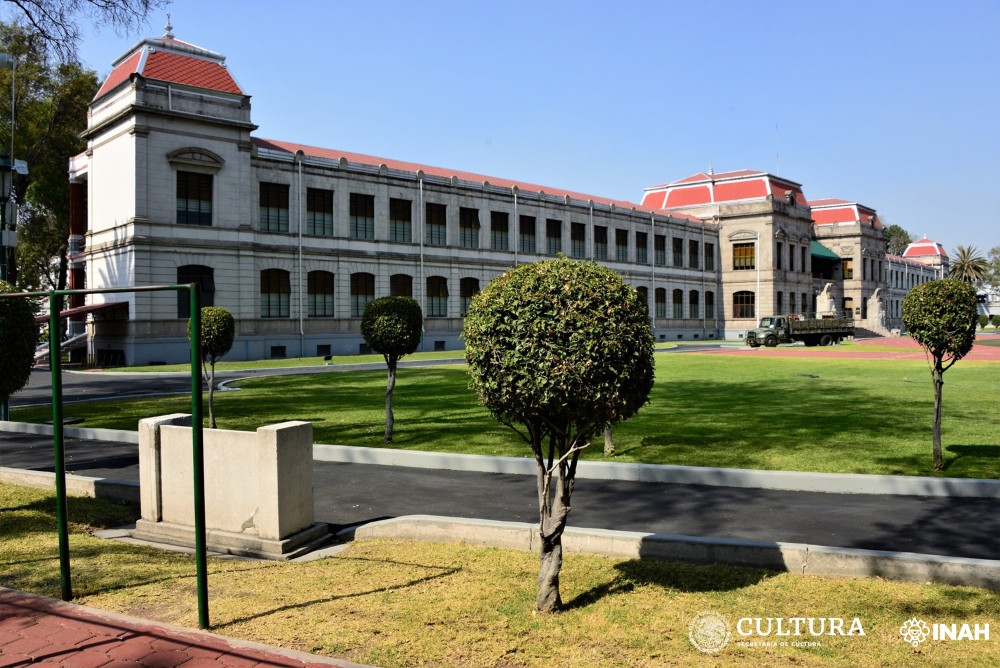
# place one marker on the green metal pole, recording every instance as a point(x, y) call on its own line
point(55, 361)
point(197, 447)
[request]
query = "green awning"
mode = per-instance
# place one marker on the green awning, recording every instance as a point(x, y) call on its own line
point(819, 250)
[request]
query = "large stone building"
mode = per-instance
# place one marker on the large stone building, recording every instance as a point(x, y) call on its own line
point(176, 187)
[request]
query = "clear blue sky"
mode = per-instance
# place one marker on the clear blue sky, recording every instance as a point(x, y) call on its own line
point(889, 103)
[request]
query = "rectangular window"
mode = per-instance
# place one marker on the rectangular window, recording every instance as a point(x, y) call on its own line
point(436, 221)
point(777, 256)
point(553, 236)
point(194, 198)
point(678, 250)
point(362, 292)
point(779, 303)
point(661, 303)
point(744, 256)
point(468, 227)
point(401, 220)
point(693, 254)
point(678, 304)
point(709, 259)
point(320, 294)
point(437, 297)
point(273, 207)
point(693, 306)
point(641, 247)
point(499, 234)
point(275, 293)
point(660, 250)
point(600, 243)
point(362, 216)
point(319, 212)
point(578, 240)
point(744, 304)
point(526, 235)
point(848, 268)
point(802, 262)
point(621, 245)
point(710, 305)
point(791, 257)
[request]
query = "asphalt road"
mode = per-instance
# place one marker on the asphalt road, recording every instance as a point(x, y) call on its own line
point(354, 493)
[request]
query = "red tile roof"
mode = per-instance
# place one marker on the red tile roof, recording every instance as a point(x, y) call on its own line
point(923, 248)
point(702, 188)
point(172, 61)
point(372, 161)
point(832, 210)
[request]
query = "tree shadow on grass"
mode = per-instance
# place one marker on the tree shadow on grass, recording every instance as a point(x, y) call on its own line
point(981, 452)
point(671, 576)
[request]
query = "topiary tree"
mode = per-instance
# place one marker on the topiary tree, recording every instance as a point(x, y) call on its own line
point(941, 317)
point(983, 321)
point(557, 351)
point(995, 319)
point(18, 335)
point(218, 329)
point(392, 327)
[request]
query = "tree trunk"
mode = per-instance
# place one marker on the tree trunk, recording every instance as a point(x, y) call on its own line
point(390, 385)
point(609, 442)
point(938, 375)
point(211, 397)
point(553, 511)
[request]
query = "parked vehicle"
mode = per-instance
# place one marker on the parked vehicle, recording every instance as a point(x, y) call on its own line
point(777, 329)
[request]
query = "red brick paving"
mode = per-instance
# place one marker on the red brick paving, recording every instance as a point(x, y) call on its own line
point(40, 631)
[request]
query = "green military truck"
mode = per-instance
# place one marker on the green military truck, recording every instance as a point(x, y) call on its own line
point(777, 329)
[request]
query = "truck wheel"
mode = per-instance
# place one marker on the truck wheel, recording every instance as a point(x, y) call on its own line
point(826, 340)
point(771, 341)
point(754, 344)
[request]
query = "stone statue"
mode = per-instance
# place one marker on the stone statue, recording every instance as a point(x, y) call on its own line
point(826, 305)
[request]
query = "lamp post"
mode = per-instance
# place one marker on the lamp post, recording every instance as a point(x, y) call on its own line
point(5, 180)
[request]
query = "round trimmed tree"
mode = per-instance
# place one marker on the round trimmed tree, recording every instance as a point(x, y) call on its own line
point(558, 351)
point(941, 316)
point(392, 327)
point(18, 336)
point(218, 329)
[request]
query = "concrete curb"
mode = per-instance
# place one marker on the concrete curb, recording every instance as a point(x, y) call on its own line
point(832, 483)
point(76, 485)
point(795, 558)
point(801, 481)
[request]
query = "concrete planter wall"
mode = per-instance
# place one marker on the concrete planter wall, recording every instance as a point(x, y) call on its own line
point(258, 488)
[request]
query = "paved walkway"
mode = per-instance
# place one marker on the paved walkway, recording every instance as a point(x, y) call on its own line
point(40, 631)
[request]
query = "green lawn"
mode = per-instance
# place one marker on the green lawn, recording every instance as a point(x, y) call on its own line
point(287, 362)
point(391, 603)
point(808, 414)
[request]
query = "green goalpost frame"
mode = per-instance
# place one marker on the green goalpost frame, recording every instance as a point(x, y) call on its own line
point(197, 443)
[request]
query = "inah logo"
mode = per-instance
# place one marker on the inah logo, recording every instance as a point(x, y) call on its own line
point(914, 631)
point(709, 632)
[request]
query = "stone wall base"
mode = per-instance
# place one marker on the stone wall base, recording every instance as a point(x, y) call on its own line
point(240, 544)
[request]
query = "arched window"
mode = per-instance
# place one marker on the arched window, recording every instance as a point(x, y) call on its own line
point(693, 305)
point(678, 304)
point(468, 287)
point(643, 295)
point(744, 304)
point(320, 293)
point(661, 302)
point(275, 293)
point(710, 305)
point(204, 277)
point(779, 303)
point(401, 285)
point(362, 292)
point(437, 297)
point(791, 302)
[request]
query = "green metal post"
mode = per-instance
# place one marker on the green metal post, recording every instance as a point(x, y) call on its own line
point(197, 447)
point(62, 524)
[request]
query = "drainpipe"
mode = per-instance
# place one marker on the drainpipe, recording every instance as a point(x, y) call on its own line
point(652, 274)
point(420, 288)
point(299, 156)
point(516, 236)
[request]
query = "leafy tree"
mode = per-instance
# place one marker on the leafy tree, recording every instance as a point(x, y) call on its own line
point(896, 239)
point(941, 316)
point(218, 329)
point(983, 320)
point(18, 334)
point(995, 319)
point(557, 351)
point(969, 266)
point(50, 102)
point(54, 22)
point(994, 268)
point(392, 327)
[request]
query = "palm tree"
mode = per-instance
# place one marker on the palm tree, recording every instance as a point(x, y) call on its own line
point(969, 265)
